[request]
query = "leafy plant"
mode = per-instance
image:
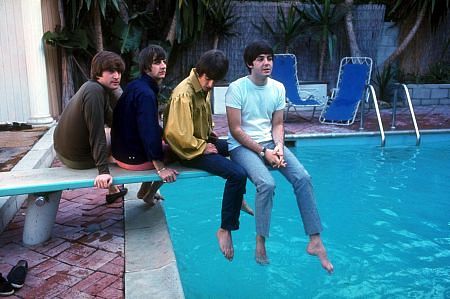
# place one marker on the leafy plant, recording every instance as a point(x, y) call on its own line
point(384, 83)
point(437, 73)
point(189, 19)
point(220, 20)
point(322, 21)
point(129, 35)
point(433, 10)
point(77, 39)
point(287, 29)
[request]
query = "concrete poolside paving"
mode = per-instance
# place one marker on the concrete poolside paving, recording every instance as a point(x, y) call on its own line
point(123, 250)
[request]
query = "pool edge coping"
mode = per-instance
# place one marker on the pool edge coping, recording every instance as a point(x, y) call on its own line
point(293, 137)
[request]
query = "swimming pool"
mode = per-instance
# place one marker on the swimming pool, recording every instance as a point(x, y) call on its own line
point(386, 213)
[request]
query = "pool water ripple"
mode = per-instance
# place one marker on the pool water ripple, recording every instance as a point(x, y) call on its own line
point(386, 217)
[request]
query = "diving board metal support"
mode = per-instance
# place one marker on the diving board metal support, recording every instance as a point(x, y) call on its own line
point(411, 109)
point(41, 217)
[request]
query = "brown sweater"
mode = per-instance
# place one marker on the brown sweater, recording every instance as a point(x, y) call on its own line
point(80, 134)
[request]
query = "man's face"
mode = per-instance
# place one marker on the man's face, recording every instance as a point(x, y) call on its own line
point(262, 65)
point(110, 79)
point(158, 70)
point(206, 83)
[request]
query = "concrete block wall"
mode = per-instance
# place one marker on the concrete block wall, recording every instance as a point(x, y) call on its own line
point(388, 42)
point(429, 94)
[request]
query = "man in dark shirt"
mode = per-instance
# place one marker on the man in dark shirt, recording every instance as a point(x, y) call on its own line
point(136, 135)
point(80, 140)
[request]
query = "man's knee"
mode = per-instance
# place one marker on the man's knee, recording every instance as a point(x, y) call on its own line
point(239, 175)
point(303, 179)
point(266, 185)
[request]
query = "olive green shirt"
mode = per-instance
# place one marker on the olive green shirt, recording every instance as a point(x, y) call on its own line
point(79, 137)
point(188, 118)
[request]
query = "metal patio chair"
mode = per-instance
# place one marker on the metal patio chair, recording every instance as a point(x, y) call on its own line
point(285, 71)
point(351, 88)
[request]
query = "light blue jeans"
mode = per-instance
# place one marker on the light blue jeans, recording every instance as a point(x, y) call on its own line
point(264, 182)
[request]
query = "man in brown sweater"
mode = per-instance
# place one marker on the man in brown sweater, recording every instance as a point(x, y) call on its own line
point(80, 140)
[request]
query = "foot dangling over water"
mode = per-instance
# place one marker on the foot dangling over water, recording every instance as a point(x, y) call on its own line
point(225, 243)
point(260, 253)
point(315, 247)
point(246, 208)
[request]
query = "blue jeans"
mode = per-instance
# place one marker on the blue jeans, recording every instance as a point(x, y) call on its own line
point(235, 175)
point(260, 176)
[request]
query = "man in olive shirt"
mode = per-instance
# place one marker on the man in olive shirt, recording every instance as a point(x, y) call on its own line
point(188, 129)
point(79, 138)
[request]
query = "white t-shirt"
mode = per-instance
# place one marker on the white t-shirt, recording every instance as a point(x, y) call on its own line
point(257, 105)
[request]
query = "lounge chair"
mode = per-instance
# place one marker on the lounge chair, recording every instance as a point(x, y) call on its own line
point(285, 71)
point(351, 88)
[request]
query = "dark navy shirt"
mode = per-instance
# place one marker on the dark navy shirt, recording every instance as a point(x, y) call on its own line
point(136, 136)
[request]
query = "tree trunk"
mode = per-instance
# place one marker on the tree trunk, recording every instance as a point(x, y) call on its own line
point(171, 35)
point(323, 48)
point(123, 12)
point(97, 27)
point(216, 42)
point(67, 89)
point(353, 43)
point(407, 39)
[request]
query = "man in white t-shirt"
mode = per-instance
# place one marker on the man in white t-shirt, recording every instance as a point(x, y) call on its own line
point(255, 106)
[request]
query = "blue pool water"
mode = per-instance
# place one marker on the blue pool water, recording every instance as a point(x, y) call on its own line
point(386, 213)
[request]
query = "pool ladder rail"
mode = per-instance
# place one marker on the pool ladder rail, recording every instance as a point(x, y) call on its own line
point(394, 111)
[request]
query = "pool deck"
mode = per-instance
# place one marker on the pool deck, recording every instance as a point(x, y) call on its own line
point(123, 250)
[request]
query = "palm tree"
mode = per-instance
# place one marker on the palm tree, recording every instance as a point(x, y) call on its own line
point(288, 28)
point(221, 19)
point(435, 10)
point(97, 8)
point(188, 21)
point(353, 43)
point(322, 21)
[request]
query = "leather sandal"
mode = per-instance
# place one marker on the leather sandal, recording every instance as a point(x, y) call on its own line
point(110, 198)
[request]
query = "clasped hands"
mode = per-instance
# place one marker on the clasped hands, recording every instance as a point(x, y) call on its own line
point(275, 157)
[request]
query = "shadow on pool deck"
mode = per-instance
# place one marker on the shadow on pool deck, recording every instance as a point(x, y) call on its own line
point(85, 257)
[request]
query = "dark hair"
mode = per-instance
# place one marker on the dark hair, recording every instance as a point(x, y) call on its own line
point(213, 63)
point(149, 55)
point(254, 49)
point(106, 61)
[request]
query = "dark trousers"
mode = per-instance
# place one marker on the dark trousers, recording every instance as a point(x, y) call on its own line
point(235, 175)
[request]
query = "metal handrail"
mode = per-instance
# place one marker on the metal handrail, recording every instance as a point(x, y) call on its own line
point(377, 110)
point(411, 109)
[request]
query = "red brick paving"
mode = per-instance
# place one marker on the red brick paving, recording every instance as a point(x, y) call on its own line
point(83, 259)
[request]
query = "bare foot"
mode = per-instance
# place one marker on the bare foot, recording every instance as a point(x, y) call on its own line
point(145, 187)
point(151, 197)
point(260, 253)
point(246, 208)
point(225, 243)
point(315, 247)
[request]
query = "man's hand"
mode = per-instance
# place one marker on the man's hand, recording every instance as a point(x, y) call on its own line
point(274, 159)
point(279, 151)
point(103, 181)
point(210, 149)
point(168, 175)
